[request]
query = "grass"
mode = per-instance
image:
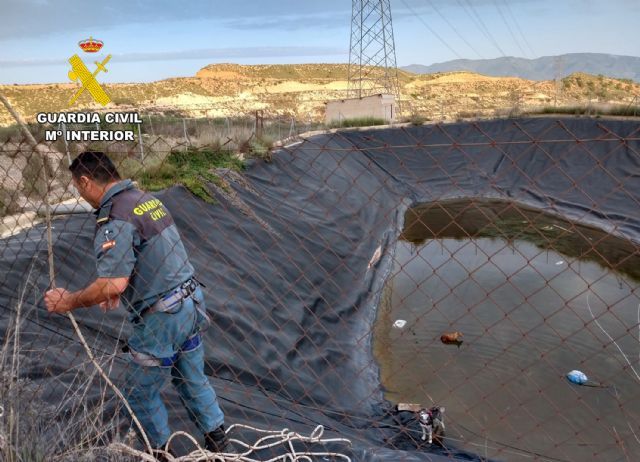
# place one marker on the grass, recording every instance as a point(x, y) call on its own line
point(32, 428)
point(170, 158)
point(192, 168)
point(469, 115)
point(259, 147)
point(358, 122)
point(416, 119)
point(605, 110)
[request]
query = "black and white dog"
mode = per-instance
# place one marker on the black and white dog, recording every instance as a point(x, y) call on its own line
point(432, 424)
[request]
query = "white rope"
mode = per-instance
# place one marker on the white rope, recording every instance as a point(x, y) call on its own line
point(612, 340)
point(269, 439)
point(76, 327)
point(200, 454)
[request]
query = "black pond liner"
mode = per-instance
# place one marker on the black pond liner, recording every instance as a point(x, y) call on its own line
point(293, 305)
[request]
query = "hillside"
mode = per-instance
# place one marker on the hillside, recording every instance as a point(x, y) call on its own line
point(300, 91)
point(543, 68)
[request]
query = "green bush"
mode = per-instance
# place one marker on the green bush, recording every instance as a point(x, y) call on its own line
point(259, 147)
point(416, 119)
point(123, 101)
point(192, 168)
point(358, 122)
point(469, 114)
point(618, 110)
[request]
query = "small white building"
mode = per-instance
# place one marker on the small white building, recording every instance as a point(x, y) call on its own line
point(381, 106)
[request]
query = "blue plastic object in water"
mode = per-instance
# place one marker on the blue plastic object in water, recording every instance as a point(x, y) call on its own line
point(577, 377)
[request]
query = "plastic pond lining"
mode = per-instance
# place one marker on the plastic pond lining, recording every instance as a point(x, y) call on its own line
point(294, 302)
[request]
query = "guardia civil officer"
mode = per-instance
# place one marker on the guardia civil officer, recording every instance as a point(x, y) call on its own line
point(142, 263)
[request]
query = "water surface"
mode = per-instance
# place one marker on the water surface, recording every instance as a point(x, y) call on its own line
point(528, 315)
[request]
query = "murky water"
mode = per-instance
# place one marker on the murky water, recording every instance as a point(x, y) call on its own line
point(528, 316)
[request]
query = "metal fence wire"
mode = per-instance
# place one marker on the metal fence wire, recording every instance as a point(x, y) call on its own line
point(464, 291)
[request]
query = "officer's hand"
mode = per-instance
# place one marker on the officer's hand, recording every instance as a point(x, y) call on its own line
point(57, 301)
point(110, 304)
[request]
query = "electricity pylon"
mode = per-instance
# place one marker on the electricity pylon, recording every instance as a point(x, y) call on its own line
point(372, 51)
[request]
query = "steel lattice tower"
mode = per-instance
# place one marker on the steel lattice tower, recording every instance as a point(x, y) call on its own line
point(372, 51)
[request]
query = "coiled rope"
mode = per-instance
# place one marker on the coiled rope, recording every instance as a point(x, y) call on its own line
point(267, 439)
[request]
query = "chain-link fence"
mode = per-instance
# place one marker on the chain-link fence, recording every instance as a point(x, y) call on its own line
point(437, 292)
point(159, 131)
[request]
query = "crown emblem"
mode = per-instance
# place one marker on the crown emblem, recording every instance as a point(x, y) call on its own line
point(90, 45)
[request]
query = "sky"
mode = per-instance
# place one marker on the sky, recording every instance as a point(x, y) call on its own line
point(153, 40)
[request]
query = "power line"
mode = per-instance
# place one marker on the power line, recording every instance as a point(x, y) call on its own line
point(480, 24)
point(515, 21)
point(431, 30)
point(515, 39)
point(483, 28)
point(455, 29)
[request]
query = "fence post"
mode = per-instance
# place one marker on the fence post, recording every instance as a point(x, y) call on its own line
point(66, 143)
point(186, 137)
point(141, 143)
point(259, 126)
point(151, 125)
point(292, 127)
point(42, 187)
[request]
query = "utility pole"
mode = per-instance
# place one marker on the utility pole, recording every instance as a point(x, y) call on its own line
point(558, 65)
point(259, 125)
point(372, 53)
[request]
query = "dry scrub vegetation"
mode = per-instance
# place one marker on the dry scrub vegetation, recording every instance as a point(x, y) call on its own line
point(300, 91)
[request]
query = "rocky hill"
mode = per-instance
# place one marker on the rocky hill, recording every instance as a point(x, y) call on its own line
point(300, 90)
point(543, 68)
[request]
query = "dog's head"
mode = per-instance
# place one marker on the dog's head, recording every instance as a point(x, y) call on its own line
point(428, 415)
point(425, 416)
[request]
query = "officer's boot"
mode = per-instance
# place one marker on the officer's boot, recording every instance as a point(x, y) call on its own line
point(216, 440)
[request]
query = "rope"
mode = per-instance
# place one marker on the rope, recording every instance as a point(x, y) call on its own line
point(269, 439)
point(200, 454)
point(611, 338)
point(76, 327)
point(47, 182)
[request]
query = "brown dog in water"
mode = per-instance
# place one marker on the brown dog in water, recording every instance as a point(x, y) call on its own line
point(451, 338)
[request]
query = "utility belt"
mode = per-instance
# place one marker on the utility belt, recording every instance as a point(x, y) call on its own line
point(170, 303)
point(146, 360)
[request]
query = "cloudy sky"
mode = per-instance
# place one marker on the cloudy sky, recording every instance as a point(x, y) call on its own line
point(152, 40)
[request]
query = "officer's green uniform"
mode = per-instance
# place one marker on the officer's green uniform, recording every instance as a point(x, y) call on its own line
point(137, 238)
